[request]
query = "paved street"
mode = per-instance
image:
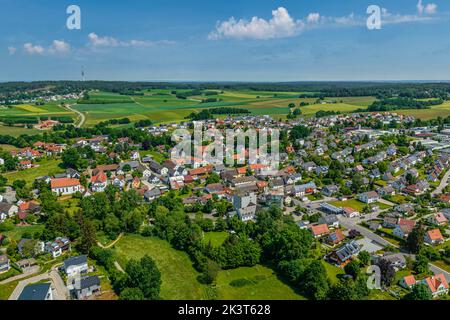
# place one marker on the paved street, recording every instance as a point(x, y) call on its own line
point(27, 272)
point(442, 185)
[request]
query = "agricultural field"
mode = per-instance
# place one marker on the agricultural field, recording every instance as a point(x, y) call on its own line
point(163, 106)
point(50, 109)
point(442, 110)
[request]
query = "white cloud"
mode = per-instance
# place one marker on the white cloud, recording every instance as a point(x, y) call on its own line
point(12, 50)
point(97, 41)
point(313, 17)
point(389, 18)
point(281, 25)
point(430, 8)
point(105, 41)
point(59, 47)
point(33, 49)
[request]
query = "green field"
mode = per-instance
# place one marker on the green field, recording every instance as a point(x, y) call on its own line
point(263, 284)
point(46, 167)
point(179, 278)
point(18, 231)
point(442, 110)
point(216, 238)
point(163, 106)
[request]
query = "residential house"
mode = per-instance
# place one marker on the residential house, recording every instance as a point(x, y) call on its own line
point(396, 260)
point(330, 190)
point(437, 285)
point(37, 291)
point(84, 287)
point(433, 237)
point(330, 220)
point(344, 254)
point(335, 238)
point(7, 210)
point(408, 282)
point(438, 219)
point(404, 228)
point(99, 182)
point(4, 263)
point(75, 266)
point(319, 230)
point(369, 197)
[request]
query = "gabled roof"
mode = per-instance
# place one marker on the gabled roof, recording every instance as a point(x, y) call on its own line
point(75, 261)
point(319, 229)
point(64, 182)
point(435, 234)
point(436, 281)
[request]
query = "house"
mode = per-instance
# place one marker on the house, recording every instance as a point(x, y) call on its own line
point(434, 237)
point(85, 287)
point(403, 228)
point(396, 260)
point(38, 291)
point(152, 194)
point(408, 282)
point(350, 212)
point(66, 186)
point(330, 190)
point(369, 197)
point(7, 210)
point(309, 166)
point(330, 220)
point(303, 189)
point(387, 191)
point(245, 205)
point(335, 237)
point(75, 266)
point(390, 222)
point(437, 285)
point(344, 254)
point(319, 230)
point(57, 247)
point(4, 263)
point(438, 219)
point(25, 164)
point(99, 182)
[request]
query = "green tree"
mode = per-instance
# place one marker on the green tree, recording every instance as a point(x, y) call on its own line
point(419, 292)
point(132, 294)
point(315, 281)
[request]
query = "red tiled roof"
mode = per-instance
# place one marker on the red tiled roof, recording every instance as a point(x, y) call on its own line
point(319, 229)
point(64, 182)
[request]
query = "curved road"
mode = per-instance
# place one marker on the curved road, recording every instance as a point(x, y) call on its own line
point(442, 185)
point(82, 116)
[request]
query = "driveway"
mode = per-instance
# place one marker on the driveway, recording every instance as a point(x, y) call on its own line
point(26, 273)
point(58, 287)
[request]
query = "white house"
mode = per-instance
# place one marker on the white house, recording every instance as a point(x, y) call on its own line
point(75, 266)
point(369, 197)
point(66, 186)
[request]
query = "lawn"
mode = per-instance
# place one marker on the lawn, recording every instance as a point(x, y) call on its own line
point(18, 231)
point(7, 289)
point(46, 167)
point(216, 238)
point(332, 271)
point(179, 278)
point(352, 203)
point(261, 283)
point(17, 131)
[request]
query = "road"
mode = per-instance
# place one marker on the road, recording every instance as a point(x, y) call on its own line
point(352, 223)
point(82, 116)
point(442, 185)
point(28, 272)
point(58, 287)
point(111, 243)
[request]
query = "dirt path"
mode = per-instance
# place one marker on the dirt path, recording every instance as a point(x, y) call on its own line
point(80, 114)
point(109, 245)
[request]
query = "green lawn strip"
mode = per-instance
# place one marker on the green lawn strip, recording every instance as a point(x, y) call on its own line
point(179, 278)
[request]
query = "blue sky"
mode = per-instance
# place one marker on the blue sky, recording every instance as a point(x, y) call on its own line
point(198, 40)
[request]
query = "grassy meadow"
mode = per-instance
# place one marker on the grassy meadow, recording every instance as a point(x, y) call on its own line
point(179, 278)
